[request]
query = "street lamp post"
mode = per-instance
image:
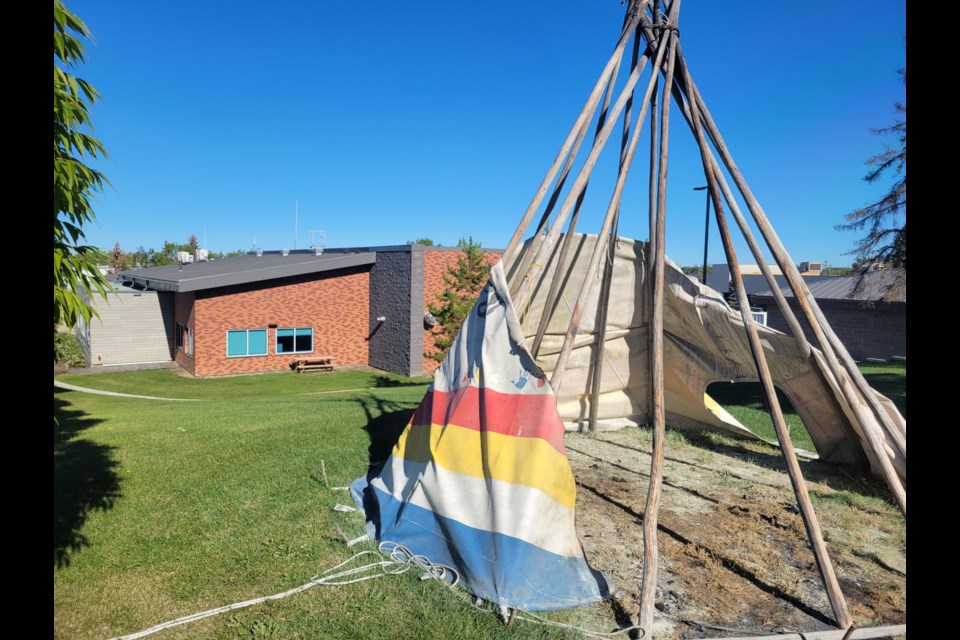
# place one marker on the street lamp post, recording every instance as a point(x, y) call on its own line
point(706, 233)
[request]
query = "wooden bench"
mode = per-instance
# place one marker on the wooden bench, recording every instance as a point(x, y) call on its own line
point(316, 363)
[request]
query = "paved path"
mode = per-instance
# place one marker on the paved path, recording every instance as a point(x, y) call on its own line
point(73, 387)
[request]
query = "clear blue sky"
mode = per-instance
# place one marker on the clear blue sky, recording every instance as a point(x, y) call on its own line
point(390, 121)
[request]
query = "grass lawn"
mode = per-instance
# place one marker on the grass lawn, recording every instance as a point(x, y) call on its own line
point(746, 401)
point(163, 509)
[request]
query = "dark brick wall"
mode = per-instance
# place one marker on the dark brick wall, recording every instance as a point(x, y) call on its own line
point(867, 330)
point(394, 342)
point(184, 313)
point(336, 304)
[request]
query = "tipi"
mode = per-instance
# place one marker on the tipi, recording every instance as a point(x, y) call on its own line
point(599, 330)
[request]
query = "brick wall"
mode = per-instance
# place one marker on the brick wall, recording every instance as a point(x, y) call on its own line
point(335, 304)
point(436, 261)
point(875, 331)
point(183, 313)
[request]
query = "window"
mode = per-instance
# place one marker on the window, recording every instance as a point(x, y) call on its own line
point(184, 339)
point(760, 317)
point(247, 342)
point(299, 340)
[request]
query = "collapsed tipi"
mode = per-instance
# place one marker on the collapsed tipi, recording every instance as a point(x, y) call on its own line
point(600, 330)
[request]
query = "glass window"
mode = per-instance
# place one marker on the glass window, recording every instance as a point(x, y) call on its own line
point(304, 340)
point(246, 342)
point(236, 343)
point(285, 341)
point(257, 342)
point(299, 340)
point(179, 335)
point(188, 341)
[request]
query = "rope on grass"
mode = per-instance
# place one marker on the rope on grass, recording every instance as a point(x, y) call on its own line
point(399, 560)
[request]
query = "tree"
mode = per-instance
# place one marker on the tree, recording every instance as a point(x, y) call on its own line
point(885, 220)
point(74, 266)
point(427, 242)
point(194, 244)
point(464, 283)
point(116, 258)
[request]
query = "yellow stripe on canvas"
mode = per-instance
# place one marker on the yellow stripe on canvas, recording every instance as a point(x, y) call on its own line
point(531, 462)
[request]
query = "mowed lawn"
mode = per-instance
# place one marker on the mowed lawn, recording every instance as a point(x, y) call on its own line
point(163, 509)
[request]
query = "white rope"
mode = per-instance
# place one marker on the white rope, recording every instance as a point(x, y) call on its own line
point(399, 560)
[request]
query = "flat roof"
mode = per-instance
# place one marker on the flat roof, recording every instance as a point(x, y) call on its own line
point(224, 272)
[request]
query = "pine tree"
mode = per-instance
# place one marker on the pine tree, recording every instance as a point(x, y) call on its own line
point(464, 283)
point(885, 220)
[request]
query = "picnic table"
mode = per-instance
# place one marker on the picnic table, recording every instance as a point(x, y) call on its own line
point(315, 363)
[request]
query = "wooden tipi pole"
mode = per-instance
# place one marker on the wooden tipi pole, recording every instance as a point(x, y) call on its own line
point(635, 11)
point(871, 429)
point(651, 559)
point(835, 595)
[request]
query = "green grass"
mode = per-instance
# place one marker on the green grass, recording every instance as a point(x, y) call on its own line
point(165, 509)
point(166, 383)
point(747, 402)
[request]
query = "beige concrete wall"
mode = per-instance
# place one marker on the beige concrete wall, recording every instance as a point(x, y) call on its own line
point(134, 327)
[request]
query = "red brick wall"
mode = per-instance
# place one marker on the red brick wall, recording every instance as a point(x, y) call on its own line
point(183, 313)
point(336, 306)
point(435, 265)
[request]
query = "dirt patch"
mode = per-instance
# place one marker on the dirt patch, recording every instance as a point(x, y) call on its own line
point(734, 554)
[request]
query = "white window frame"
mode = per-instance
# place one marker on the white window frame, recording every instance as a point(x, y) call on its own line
point(276, 340)
point(226, 336)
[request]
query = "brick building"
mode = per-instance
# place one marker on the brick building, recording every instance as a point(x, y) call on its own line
point(258, 312)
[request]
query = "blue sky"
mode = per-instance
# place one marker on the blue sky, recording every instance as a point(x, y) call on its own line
point(390, 121)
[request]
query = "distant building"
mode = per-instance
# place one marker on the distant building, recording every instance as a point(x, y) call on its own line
point(869, 321)
point(260, 311)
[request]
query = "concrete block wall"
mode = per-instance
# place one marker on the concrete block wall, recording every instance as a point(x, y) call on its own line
point(396, 282)
point(867, 330)
point(134, 327)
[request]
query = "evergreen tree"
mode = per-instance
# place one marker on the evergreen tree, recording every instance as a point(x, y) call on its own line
point(464, 283)
point(885, 219)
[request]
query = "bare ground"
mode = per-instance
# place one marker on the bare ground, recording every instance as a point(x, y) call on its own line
point(734, 555)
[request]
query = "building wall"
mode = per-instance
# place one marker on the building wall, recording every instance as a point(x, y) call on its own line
point(335, 304)
point(395, 344)
point(134, 327)
point(877, 330)
point(436, 262)
point(184, 312)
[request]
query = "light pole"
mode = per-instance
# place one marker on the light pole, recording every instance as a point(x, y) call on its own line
point(706, 233)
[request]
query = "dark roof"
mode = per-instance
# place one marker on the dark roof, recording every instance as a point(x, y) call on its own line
point(241, 270)
point(875, 287)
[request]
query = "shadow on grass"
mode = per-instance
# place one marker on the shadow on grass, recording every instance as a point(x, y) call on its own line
point(386, 420)
point(387, 381)
point(892, 385)
point(84, 479)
